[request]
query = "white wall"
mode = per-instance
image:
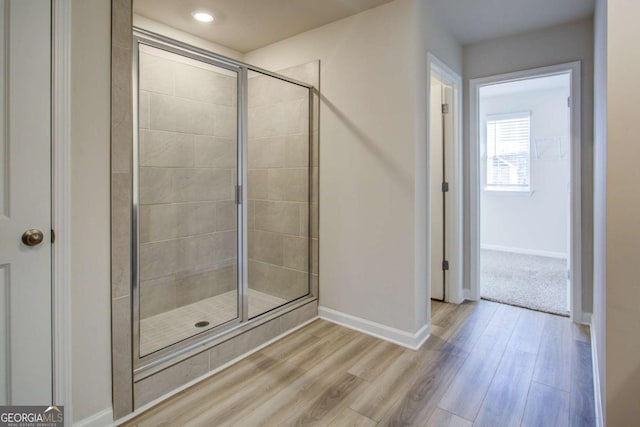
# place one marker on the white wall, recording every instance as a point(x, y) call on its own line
point(555, 45)
point(90, 216)
point(622, 213)
point(535, 222)
point(373, 83)
point(598, 321)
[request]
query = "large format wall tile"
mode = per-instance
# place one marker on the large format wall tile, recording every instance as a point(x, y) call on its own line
point(278, 281)
point(166, 149)
point(175, 220)
point(278, 217)
point(267, 152)
point(204, 85)
point(266, 247)
point(157, 74)
point(216, 152)
point(296, 253)
point(169, 379)
point(289, 184)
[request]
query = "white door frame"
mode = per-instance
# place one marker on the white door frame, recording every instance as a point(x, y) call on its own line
point(575, 228)
point(453, 165)
point(61, 200)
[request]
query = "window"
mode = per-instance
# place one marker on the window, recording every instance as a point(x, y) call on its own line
point(508, 149)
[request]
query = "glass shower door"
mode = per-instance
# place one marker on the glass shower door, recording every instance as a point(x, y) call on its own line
point(278, 232)
point(185, 205)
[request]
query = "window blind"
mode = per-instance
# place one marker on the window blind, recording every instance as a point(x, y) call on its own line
point(508, 150)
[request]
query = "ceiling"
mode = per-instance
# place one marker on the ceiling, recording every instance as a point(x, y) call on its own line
point(246, 25)
point(473, 21)
point(537, 84)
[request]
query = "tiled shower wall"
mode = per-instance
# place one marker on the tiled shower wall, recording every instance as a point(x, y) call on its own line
point(279, 194)
point(187, 156)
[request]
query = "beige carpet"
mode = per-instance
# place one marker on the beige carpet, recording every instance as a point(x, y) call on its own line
point(529, 281)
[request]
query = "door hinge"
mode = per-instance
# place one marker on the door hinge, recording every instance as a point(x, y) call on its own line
point(445, 265)
point(238, 194)
point(445, 187)
point(445, 108)
point(569, 102)
point(53, 236)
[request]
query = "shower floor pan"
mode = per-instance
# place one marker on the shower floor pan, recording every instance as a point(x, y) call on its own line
point(165, 329)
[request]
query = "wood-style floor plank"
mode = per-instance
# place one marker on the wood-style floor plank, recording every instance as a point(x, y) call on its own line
point(442, 418)
point(469, 387)
point(279, 407)
point(347, 417)
point(479, 366)
point(374, 363)
point(546, 406)
point(553, 367)
point(528, 331)
point(582, 411)
point(376, 398)
point(421, 400)
point(504, 404)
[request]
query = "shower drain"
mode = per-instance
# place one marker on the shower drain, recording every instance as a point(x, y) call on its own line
point(201, 324)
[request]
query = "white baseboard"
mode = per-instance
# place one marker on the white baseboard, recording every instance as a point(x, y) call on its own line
point(175, 391)
point(597, 391)
point(525, 251)
point(103, 418)
point(396, 336)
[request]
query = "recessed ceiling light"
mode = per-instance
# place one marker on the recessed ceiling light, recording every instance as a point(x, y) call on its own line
point(202, 16)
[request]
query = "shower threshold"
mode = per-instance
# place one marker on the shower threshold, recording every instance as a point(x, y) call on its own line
point(170, 327)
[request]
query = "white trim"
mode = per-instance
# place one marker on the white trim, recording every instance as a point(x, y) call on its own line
point(575, 257)
point(597, 387)
point(396, 336)
point(175, 391)
point(525, 251)
point(103, 418)
point(454, 218)
point(61, 204)
point(468, 295)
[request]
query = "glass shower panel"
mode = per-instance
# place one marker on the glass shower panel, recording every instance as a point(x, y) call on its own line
point(187, 157)
point(278, 192)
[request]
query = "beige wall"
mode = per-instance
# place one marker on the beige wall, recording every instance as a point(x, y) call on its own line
point(90, 251)
point(555, 45)
point(623, 211)
point(371, 128)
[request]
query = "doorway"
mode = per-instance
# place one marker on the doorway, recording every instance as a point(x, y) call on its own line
point(444, 154)
point(525, 189)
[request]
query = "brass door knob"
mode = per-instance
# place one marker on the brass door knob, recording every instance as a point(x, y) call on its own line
point(32, 237)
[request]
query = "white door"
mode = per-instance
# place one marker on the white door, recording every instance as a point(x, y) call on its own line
point(441, 135)
point(436, 169)
point(25, 202)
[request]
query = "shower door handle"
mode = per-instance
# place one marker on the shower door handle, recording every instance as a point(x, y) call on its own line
point(238, 194)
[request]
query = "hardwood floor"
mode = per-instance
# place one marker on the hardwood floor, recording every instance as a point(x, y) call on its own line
point(485, 364)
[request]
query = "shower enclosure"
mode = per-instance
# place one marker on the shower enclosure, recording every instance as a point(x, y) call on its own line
point(221, 196)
